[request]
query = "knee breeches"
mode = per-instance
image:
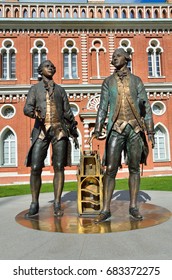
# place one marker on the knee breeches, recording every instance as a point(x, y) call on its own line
point(129, 141)
point(39, 153)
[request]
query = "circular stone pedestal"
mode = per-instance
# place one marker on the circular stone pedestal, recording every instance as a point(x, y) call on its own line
point(72, 223)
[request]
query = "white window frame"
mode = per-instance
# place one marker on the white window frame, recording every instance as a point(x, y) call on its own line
point(2, 134)
point(162, 108)
point(97, 49)
point(39, 51)
point(126, 45)
point(165, 143)
point(8, 51)
point(6, 106)
point(154, 53)
point(70, 64)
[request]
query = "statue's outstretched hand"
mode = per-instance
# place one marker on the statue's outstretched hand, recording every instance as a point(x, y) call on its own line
point(90, 139)
point(152, 139)
point(76, 143)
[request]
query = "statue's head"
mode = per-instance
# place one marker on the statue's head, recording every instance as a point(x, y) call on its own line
point(121, 52)
point(40, 67)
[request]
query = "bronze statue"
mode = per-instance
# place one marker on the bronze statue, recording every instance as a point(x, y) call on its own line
point(48, 104)
point(130, 115)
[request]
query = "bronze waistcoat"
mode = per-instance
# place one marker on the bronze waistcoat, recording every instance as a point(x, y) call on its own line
point(125, 115)
point(52, 120)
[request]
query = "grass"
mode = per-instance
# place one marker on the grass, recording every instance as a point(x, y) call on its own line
point(147, 183)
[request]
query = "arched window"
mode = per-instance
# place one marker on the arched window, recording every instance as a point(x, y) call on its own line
point(8, 13)
point(70, 60)
point(97, 52)
point(115, 14)
point(33, 13)
point(25, 13)
point(140, 14)
point(83, 14)
point(0, 13)
point(59, 14)
point(91, 13)
point(107, 14)
point(161, 149)
point(164, 14)
point(126, 45)
point(16, 13)
point(148, 14)
point(131, 14)
point(155, 14)
point(8, 148)
point(67, 14)
point(8, 60)
point(154, 58)
point(42, 13)
point(99, 14)
point(123, 14)
point(39, 54)
point(50, 13)
point(75, 14)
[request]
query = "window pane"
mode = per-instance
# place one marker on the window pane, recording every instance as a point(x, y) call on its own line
point(59, 14)
point(74, 65)
point(139, 14)
point(42, 14)
point(160, 145)
point(107, 14)
point(50, 14)
point(67, 15)
point(33, 13)
point(76, 156)
point(4, 65)
point(13, 66)
point(150, 64)
point(9, 145)
point(83, 14)
point(25, 14)
point(75, 14)
point(158, 64)
point(66, 65)
point(35, 64)
point(43, 56)
point(115, 15)
point(123, 14)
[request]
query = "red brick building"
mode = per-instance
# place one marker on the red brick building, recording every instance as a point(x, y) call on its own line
point(80, 39)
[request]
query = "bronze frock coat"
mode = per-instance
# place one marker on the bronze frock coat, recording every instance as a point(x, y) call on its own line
point(36, 100)
point(110, 103)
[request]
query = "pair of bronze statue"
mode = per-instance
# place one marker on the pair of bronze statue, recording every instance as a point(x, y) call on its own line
point(124, 98)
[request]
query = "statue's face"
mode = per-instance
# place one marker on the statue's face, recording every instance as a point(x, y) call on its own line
point(118, 59)
point(48, 69)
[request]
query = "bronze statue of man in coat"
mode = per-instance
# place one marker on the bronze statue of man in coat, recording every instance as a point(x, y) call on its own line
point(48, 104)
point(123, 96)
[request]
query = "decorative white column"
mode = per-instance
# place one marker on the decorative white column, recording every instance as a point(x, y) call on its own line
point(86, 136)
point(111, 50)
point(84, 58)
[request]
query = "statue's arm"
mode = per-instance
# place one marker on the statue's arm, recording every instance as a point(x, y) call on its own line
point(69, 116)
point(30, 105)
point(147, 116)
point(103, 109)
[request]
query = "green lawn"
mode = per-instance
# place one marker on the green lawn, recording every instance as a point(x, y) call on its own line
point(147, 183)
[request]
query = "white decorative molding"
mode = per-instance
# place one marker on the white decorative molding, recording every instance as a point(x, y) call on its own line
point(93, 103)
